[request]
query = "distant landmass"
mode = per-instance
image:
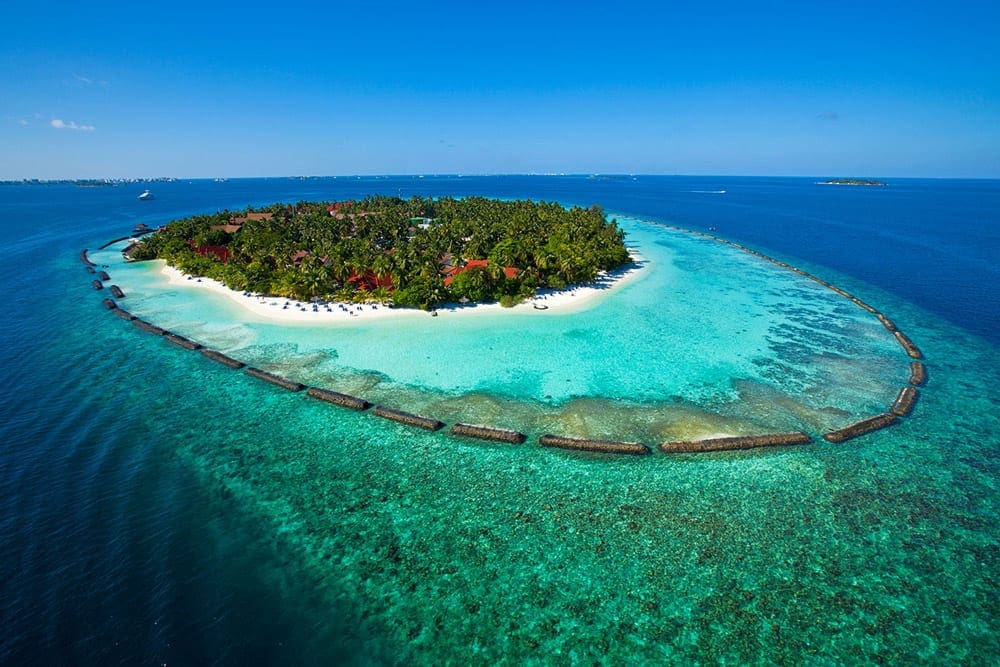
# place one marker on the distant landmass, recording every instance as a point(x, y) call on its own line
point(854, 181)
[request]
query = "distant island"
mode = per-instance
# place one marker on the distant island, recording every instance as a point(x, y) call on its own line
point(417, 252)
point(854, 181)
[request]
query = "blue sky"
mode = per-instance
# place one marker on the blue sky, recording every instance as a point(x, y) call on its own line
point(763, 88)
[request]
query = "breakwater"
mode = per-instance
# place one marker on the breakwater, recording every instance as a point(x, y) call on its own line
point(343, 400)
point(223, 359)
point(735, 442)
point(904, 401)
point(861, 427)
point(284, 383)
point(902, 406)
point(588, 445)
point(181, 341)
point(149, 327)
point(408, 418)
point(488, 433)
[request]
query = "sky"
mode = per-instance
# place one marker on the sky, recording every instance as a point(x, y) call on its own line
point(878, 89)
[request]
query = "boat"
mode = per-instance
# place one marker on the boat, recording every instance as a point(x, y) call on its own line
point(146, 195)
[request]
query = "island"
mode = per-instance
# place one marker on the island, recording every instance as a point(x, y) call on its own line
point(412, 253)
point(854, 181)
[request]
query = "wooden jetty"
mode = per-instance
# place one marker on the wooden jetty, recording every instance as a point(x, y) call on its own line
point(85, 259)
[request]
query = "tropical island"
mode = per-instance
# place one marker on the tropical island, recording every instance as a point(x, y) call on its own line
point(414, 253)
point(854, 181)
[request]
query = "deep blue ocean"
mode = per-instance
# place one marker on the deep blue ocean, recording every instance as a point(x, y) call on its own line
point(153, 509)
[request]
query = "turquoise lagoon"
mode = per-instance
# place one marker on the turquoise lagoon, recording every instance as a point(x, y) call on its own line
point(160, 507)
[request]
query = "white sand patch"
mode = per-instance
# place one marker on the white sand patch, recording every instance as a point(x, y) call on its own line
point(280, 309)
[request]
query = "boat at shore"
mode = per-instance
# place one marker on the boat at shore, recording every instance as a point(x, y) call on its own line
point(147, 195)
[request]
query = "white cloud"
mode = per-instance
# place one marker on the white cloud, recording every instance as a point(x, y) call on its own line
point(69, 125)
point(22, 122)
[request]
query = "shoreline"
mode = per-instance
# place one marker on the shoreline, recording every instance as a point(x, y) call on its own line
point(291, 311)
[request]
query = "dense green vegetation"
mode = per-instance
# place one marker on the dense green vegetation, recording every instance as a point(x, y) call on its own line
point(414, 252)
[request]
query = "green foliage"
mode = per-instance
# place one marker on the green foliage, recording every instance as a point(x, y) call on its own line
point(303, 251)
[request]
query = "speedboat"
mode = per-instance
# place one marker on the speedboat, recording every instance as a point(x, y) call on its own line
point(146, 195)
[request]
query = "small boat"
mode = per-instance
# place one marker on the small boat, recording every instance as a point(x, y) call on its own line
point(146, 195)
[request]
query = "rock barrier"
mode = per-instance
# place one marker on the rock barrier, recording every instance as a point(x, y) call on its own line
point(181, 341)
point(343, 400)
point(912, 350)
point(735, 442)
point(588, 445)
point(408, 418)
point(117, 292)
point(918, 373)
point(215, 355)
point(860, 428)
point(488, 433)
point(146, 326)
point(904, 401)
point(284, 383)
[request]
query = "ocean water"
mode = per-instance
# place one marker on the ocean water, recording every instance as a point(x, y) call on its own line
point(155, 506)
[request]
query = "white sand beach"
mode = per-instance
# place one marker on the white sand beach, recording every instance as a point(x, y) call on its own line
point(280, 309)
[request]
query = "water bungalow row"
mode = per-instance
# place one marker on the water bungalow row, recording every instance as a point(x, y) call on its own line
point(116, 292)
point(221, 358)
